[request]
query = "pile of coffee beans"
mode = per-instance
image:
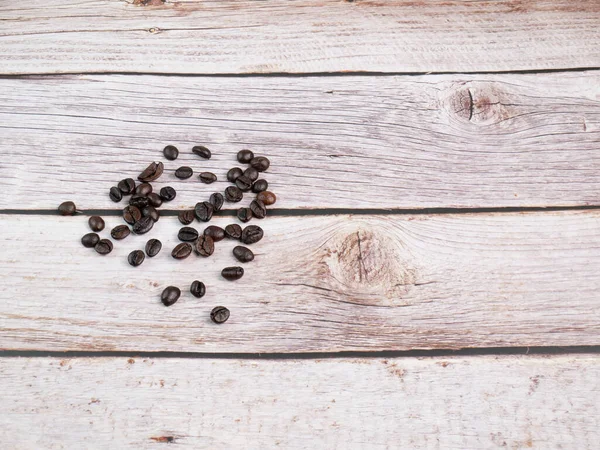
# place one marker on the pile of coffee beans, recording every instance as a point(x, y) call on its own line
point(142, 213)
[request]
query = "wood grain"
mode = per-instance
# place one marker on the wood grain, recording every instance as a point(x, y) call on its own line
point(330, 283)
point(335, 142)
point(450, 403)
point(304, 36)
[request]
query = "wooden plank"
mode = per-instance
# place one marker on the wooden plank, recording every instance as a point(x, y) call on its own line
point(341, 142)
point(451, 403)
point(304, 36)
point(329, 283)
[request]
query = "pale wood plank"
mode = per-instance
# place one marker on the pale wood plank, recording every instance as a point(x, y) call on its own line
point(59, 36)
point(341, 142)
point(330, 283)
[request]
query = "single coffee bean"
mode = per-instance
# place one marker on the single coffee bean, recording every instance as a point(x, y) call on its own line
point(170, 295)
point(120, 232)
point(136, 258)
point(217, 201)
point(167, 193)
point(201, 151)
point(204, 211)
point(251, 173)
point(207, 177)
point(90, 240)
point(150, 211)
point(244, 214)
point(96, 223)
point(152, 172)
point(252, 234)
point(234, 173)
point(219, 315)
point(115, 194)
point(143, 189)
point(171, 152)
point(260, 163)
point(67, 209)
point(154, 199)
point(104, 246)
point(127, 186)
point(233, 231)
point(131, 214)
point(245, 156)
point(233, 194)
point(204, 246)
point(198, 289)
point(258, 209)
point(232, 273)
point(143, 225)
point(243, 183)
point(184, 172)
point(268, 198)
point(187, 234)
point(153, 247)
point(182, 251)
point(186, 217)
point(243, 254)
point(260, 186)
point(216, 233)
point(139, 201)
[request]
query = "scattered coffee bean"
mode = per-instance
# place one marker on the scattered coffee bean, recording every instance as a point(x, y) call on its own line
point(154, 199)
point(131, 214)
point(171, 152)
point(143, 189)
point(260, 186)
point(186, 217)
point(67, 209)
point(207, 177)
point(260, 163)
point(170, 295)
point(233, 194)
point(104, 246)
point(216, 233)
point(252, 234)
point(243, 183)
point(202, 151)
point(234, 173)
point(251, 173)
point(150, 211)
point(115, 194)
point(153, 247)
point(198, 289)
point(268, 198)
point(182, 251)
point(152, 172)
point(120, 232)
point(243, 254)
point(90, 240)
point(232, 273)
point(143, 225)
point(204, 246)
point(184, 172)
point(258, 209)
point(219, 314)
point(244, 214)
point(127, 186)
point(203, 211)
point(245, 156)
point(187, 234)
point(168, 193)
point(136, 258)
point(96, 223)
point(217, 201)
point(139, 201)
point(233, 231)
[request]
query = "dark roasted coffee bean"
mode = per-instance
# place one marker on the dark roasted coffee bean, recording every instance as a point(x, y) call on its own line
point(127, 186)
point(153, 247)
point(268, 198)
point(170, 295)
point(232, 273)
point(115, 194)
point(207, 177)
point(139, 201)
point(171, 152)
point(120, 232)
point(150, 211)
point(244, 214)
point(260, 185)
point(198, 289)
point(152, 172)
point(96, 223)
point(260, 163)
point(90, 240)
point(216, 200)
point(143, 225)
point(202, 151)
point(243, 183)
point(252, 234)
point(245, 156)
point(136, 258)
point(233, 194)
point(216, 233)
point(233, 231)
point(154, 199)
point(143, 189)
point(168, 193)
point(187, 234)
point(182, 251)
point(184, 172)
point(251, 173)
point(131, 214)
point(204, 211)
point(104, 246)
point(67, 209)
point(204, 246)
point(186, 217)
point(258, 209)
point(243, 254)
point(219, 314)
point(234, 173)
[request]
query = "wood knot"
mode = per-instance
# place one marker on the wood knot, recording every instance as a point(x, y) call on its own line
point(481, 103)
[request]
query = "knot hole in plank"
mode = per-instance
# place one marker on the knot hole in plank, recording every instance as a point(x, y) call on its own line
point(480, 103)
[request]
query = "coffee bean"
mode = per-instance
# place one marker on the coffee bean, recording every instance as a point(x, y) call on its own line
point(143, 225)
point(252, 234)
point(202, 151)
point(243, 254)
point(251, 173)
point(219, 315)
point(216, 233)
point(198, 289)
point(120, 232)
point(136, 258)
point(167, 193)
point(104, 246)
point(233, 231)
point(187, 234)
point(245, 156)
point(233, 194)
point(184, 172)
point(67, 209)
point(90, 240)
point(139, 201)
point(258, 209)
point(143, 189)
point(244, 214)
point(115, 194)
point(96, 223)
point(216, 200)
point(150, 211)
point(232, 273)
point(152, 172)
point(268, 198)
point(207, 177)
point(234, 173)
point(259, 186)
point(186, 217)
point(131, 214)
point(243, 183)
point(204, 246)
point(153, 247)
point(182, 251)
point(170, 295)
point(171, 152)
point(127, 186)
point(203, 211)
point(154, 199)
point(260, 163)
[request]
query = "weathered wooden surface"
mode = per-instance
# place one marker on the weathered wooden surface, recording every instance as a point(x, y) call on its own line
point(342, 142)
point(329, 283)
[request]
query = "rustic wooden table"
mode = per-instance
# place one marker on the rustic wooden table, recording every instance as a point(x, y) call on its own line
point(429, 278)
